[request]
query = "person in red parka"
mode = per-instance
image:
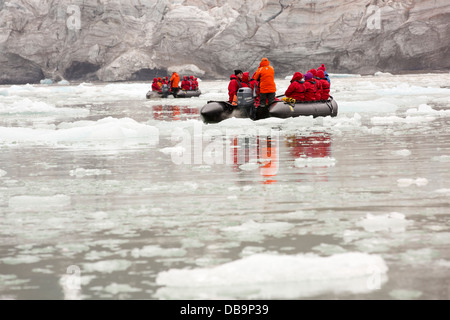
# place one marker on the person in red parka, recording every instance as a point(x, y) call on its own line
point(310, 88)
point(192, 81)
point(296, 89)
point(234, 85)
point(185, 84)
point(245, 79)
point(325, 93)
point(155, 85)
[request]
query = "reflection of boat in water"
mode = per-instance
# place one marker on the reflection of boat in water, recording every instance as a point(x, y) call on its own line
point(165, 93)
point(216, 111)
point(263, 153)
point(174, 113)
point(317, 145)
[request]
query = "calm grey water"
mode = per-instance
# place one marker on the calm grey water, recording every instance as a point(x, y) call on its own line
point(116, 197)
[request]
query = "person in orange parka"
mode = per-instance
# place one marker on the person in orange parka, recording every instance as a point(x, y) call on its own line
point(155, 85)
point(267, 88)
point(174, 83)
point(325, 92)
point(296, 89)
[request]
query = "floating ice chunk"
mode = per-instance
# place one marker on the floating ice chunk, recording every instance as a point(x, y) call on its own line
point(2, 173)
point(403, 294)
point(20, 259)
point(108, 266)
point(249, 166)
point(255, 231)
point(403, 152)
point(443, 158)
point(46, 81)
point(382, 74)
point(63, 82)
point(271, 276)
point(393, 221)
point(315, 162)
point(420, 182)
point(115, 288)
point(176, 151)
point(156, 251)
point(81, 172)
point(33, 203)
point(443, 191)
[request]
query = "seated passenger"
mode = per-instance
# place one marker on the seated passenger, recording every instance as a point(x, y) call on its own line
point(325, 92)
point(155, 85)
point(310, 88)
point(185, 84)
point(322, 67)
point(234, 85)
point(193, 84)
point(296, 89)
point(245, 79)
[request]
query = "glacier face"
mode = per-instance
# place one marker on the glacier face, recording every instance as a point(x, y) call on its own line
point(112, 40)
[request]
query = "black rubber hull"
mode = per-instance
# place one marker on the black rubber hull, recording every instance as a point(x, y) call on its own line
point(216, 111)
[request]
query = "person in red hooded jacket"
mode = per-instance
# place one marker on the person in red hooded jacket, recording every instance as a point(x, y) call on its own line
point(322, 67)
point(245, 80)
point(193, 84)
point(325, 93)
point(185, 84)
point(310, 88)
point(155, 85)
point(296, 89)
point(234, 85)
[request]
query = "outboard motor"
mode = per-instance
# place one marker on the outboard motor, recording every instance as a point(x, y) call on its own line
point(165, 90)
point(245, 101)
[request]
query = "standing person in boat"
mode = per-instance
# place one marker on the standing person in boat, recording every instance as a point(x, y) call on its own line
point(234, 85)
point(310, 88)
point(186, 84)
point(296, 89)
point(174, 82)
point(325, 85)
point(267, 88)
point(155, 85)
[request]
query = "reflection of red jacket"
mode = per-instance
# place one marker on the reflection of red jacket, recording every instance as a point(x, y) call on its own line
point(233, 87)
point(296, 89)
